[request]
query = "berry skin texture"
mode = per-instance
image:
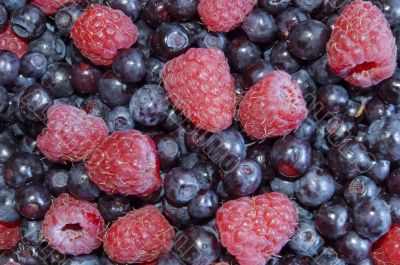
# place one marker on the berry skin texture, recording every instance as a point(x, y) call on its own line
point(73, 226)
point(362, 48)
point(12, 42)
point(9, 235)
point(200, 85)
point(387, 250)
point(101, 31)
point(140, 236)
point(254, 229)
point(50, 7)
point(126, 163)
point(272, 107)
point(222, 15)
point(71, 134)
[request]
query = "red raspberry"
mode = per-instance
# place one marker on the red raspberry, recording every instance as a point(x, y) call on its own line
point(139, 236)
point(126, 163)
point(50, 7)
point(12, 42)
point(255, 229)
point(73, 226)
point(200, 85)
point(71, 134)
point(272, 107)
point(223, 15)
point(9, 235)
point(387, 250)
point(362, 48)
point(101, 31)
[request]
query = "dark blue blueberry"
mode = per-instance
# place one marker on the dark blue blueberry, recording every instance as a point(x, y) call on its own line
point(9, 67)
point(367, 261)
point(22, 168)
point(155, 12)
point(31, 232)
point(182, 10)
point(393, 182)
point(330, 21)
point(7, 149)
point(72, 54)
point(207, 174)
point(4, 98)
point(352, 248)
point(283, 186)
point(80, 185)
point(28, 22)
point(85, 78)
point(66, 17)
point(307, 39)
point(149, 105)
point(11, 5)
point(359, 188)
point(232, 141)
point(177, 215)
point(33, 64)
point(391, 10)
point(376, 108)
point(33, 201)
point(57, 80)
point(339, 127)
point(144, 33)
point(204, 205)
point(241, 52)
point(113, 207)
point(275, 7)
point(120, 119)
point(379, 171)
point(282, 59)
point(328, 256)
point(389, 90)
point(243, 179)
point(260, 26)
point(306, 84)
point(132, 8)
point(168, 150)
point(34, 103)
point(291, 156)
point(188, 160)
point(320, 72)
point(82, 260)
point(207, 40)
point(197, 245)
point(50, 45)
point(153, 70)
point(288, 19)
point(306, 241)
point(307, 130)
point(112, 91)
point(372, 218)
point(3, 17)
point(260, 153)
point(27, 254)
point(308, 6)
point(169, 41)
point(394, 206)
point(295, 260)
point(94, 106)
point(8, 210)
point(129, 65)
point(256, 71)
point(333, 220)
point(56, 180)
point(332, 99)
point(353, 109)
point(169, 259)
point(180, 185)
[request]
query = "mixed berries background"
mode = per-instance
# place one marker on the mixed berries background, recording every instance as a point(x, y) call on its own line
point(199, 132)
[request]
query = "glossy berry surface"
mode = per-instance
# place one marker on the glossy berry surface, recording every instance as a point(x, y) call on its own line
point(333, 220)
point(180, 185)
point(33, 201)
point(28, 22)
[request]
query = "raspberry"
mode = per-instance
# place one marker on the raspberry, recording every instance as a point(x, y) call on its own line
point(273, 107)
point(200, 85)
point(71, 134)
point(126, 163)
point(387, 250)
point(139, 236)
point(101, 31)
point(12, 42)
point(362, 48)
point(254, 229)
point(222, 15)
point(73, 226)
point(9, 235)
point(50, 7)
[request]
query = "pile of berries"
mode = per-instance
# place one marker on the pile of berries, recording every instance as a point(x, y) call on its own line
point(199, 132)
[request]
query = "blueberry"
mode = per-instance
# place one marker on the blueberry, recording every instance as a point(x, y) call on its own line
point(31, 231)
point(205, 39)
point(308, 6)
point(180, 185)
point(129, 65)
point(188, 160)
point(34, 103)
point(94, 106)
point(379, 171)
point(66, 17)
point(11, 5)
point(82, 260)
point(8, 210)
point(119, 119)
point(241, 52)
point(291, 156)
point(393, 182)
point(149, 105)
point(391, 10)
point(85, 78)
point(4, 98)
point(260, 154)
point(332, 99)
point(3, 17)
point(306, 241)
point(112, 91)
point(33, 201)
point(283, 186)
point(169, 41)
point(153, 70)
point(321, 73)
point(28, 22)
point(50, 45)
point(394, 206)
point(376, 108)
point(359, 188)
point(155, 12)
point(339, 127)
point(282, 59)
point(177, 215)
point(307, 130)
point(197, 245)
point(22, 168)
point(204, 204)
point(57, 80)
point(333, 220)
point(256, 71)
point(169, 259)
point(182, 9)
point(389, 89)
point(7, 149)
point(132, 8)
point(306, 84)
point(80, 185)
point(260, 26)
point(275, 7)
point(243, 179)
point(372, 218)
point(352, 248)
point(56, 180)
point(9, 67)
point(113, 207)
point(295, 260)
point(33, 64)
point(288, 19)
point(168, 150)
point(207, 174)
point(27, 254)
